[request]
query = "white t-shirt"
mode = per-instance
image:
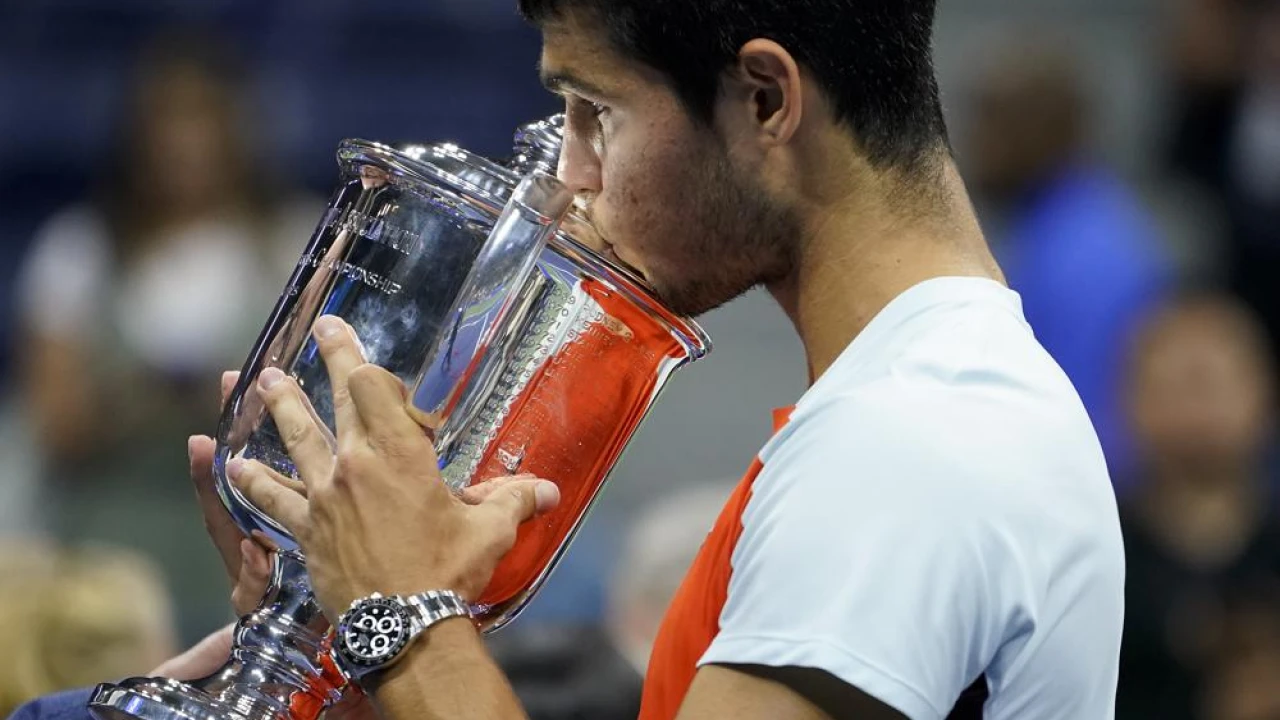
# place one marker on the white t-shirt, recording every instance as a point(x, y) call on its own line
point(937, 510)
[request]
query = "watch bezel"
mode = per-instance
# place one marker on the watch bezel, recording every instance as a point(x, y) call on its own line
point(406, 623)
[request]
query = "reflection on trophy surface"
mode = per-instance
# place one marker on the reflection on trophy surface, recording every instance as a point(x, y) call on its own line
point(523, 350)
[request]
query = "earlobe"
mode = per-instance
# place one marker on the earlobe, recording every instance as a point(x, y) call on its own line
point(776, 91)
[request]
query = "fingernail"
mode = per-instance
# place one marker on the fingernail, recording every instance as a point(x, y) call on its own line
point(234, 468)
point(191, 446)
point(546, 496)
point(328, 326)
point(270, 378)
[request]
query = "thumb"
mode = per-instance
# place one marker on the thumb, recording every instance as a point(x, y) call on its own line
point(222, 529)
point(255, 576)
point(520, 500)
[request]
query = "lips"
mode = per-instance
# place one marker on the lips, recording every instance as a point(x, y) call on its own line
point(583, 227)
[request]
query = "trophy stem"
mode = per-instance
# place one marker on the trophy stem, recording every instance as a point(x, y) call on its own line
point(280, 667)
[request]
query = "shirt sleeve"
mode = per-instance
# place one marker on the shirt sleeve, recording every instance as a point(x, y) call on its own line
point(69, 705)
point(861, 555)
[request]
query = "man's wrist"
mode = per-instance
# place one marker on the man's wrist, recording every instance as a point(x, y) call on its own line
point(430, 649)
point(447, 675)
point(377, 631)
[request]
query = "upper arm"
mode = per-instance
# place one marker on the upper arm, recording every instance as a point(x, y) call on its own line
point(863, 556)
point(757, 692)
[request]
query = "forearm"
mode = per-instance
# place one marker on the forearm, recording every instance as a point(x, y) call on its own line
point(447, 675)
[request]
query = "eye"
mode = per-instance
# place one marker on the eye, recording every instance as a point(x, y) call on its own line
point(586, 112)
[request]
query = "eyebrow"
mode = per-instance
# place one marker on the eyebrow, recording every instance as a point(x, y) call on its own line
point(561, 82)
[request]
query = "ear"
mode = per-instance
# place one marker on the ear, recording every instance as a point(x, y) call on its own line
point(769, 83)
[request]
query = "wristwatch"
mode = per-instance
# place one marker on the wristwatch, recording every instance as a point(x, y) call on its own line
point(374, 632)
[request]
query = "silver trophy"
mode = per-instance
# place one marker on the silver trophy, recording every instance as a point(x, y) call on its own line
point(524, 352)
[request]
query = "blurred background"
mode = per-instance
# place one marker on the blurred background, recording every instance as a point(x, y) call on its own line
point(162, 163)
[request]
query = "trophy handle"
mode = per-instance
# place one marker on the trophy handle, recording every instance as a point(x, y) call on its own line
point(537, 146)
point(496, 284)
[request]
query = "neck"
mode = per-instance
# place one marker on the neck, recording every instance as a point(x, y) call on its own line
point(863, 249)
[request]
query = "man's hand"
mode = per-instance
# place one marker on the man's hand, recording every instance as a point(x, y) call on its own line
point(247, 563)
point(377, 517)
point(201, 659)
point(248, 567)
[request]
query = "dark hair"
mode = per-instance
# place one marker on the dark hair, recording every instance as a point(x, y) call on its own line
point(874, 58)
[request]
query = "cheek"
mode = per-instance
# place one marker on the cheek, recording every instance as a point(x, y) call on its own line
point(628, 206)
point(652, 205)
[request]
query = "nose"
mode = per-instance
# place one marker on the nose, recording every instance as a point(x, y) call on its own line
point(579, 167)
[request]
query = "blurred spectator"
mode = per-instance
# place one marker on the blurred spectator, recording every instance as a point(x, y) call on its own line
point(132, 305)
point(1207, 64)
point(70, 618)
point(1203, 522)
point(1227, 133)
point(1243, 685)
point(1079, 248)
point(595, 673)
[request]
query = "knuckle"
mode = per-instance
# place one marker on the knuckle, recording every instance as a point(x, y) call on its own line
point(278, 393)
point(295, 434)
point(342, 393)
point(365, 373)
point(517, 496)
point(368, 374)
point(349, 464)
point(266, 501)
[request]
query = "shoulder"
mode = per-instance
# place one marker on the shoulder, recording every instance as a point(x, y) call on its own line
point(973, 409)
point(945, 453)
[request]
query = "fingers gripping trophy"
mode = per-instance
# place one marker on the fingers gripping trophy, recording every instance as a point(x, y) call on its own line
point(522, 351)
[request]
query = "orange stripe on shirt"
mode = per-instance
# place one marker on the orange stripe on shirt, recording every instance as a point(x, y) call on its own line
point(693, 618)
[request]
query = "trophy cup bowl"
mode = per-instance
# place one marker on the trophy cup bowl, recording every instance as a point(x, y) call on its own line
point(524, 351)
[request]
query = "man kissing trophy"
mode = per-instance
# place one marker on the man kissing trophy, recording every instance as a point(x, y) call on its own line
point(522, 351)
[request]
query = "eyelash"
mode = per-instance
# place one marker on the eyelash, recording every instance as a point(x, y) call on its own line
point(590, 118)
point(593, 112)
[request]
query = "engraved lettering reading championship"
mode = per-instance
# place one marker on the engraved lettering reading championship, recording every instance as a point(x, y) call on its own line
point(382, 284)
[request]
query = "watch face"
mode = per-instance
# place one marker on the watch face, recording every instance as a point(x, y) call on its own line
point(374, 632)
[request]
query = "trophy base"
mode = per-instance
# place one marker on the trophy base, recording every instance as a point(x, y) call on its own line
point(156, 699)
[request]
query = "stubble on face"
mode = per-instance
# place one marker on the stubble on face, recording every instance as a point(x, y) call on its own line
point(714, 232)
point(675, 201)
